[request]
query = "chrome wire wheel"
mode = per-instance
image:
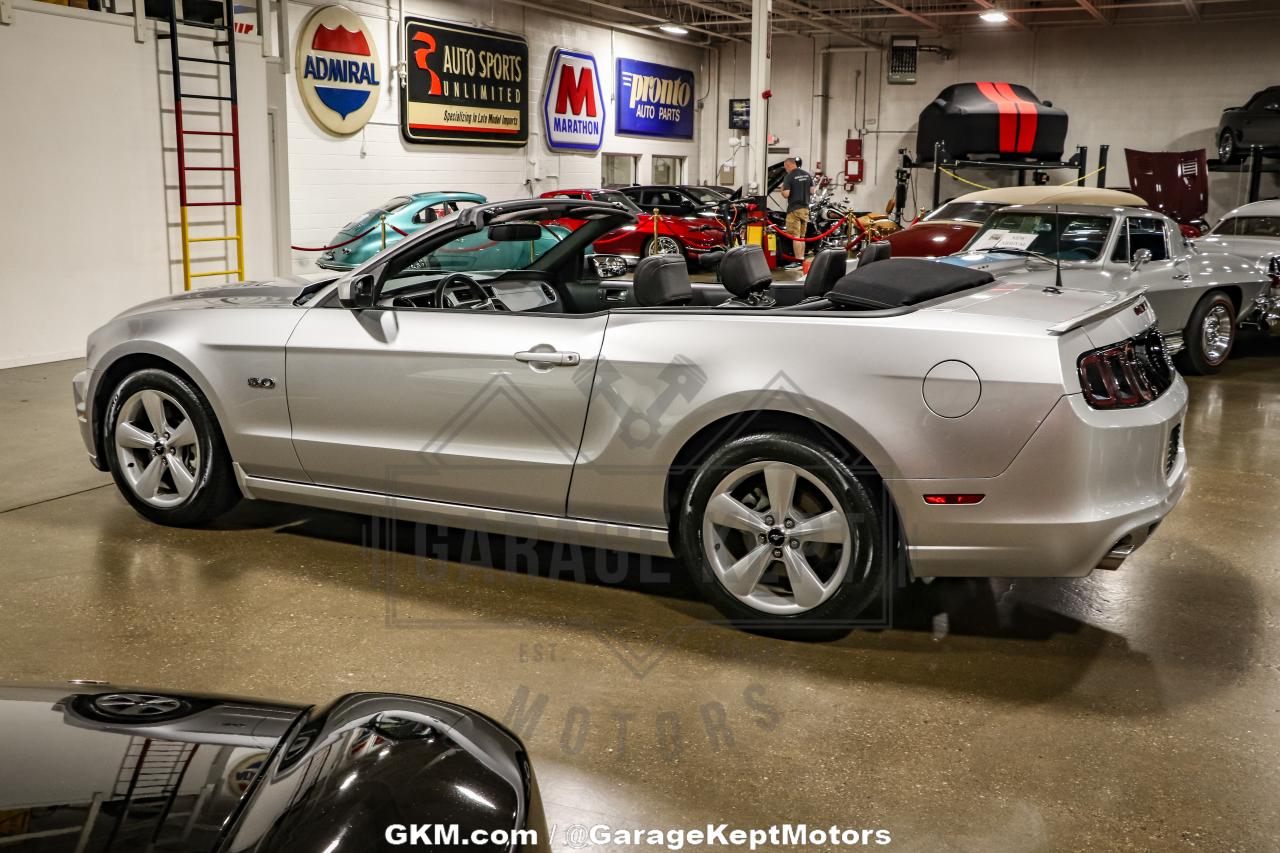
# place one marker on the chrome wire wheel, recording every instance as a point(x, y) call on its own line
point(141, 705)
point(157, 447)
point(776, 538)
point(1218, 331)
point(664, 245)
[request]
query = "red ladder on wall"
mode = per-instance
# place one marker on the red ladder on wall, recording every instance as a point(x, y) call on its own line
point(227, 27)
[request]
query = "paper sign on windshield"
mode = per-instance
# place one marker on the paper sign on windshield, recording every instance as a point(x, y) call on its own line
point(999, 238)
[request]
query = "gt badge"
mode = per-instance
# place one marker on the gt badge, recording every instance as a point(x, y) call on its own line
point(265, 382)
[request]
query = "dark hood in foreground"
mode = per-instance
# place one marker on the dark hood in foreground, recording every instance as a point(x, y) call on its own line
point(95, 768)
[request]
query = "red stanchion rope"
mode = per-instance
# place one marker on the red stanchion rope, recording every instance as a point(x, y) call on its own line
point(826, 233)
point(397, 230)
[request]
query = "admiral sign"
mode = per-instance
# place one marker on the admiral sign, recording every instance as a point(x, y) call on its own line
point(464, 85)
point(337, 69)
point(654, 100)
point(573, 105)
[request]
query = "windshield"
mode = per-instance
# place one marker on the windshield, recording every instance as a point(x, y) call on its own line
point(962, 211)
point(476, 254)
point(705, 195)
point(1081, 238)
point(1248, 226)
point(617, 198)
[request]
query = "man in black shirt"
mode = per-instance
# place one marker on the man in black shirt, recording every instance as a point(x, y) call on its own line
point(795, 189)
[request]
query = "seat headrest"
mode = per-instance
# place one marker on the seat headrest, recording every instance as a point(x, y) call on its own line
point(744, 270)
point(662, 280)
point(904, 281)
point(873, 252)
point(824, 271)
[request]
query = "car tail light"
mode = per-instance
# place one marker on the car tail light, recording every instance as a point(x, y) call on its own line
point(1128, 374)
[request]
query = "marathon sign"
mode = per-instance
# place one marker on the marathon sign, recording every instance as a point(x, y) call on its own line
point(464, 85)
point(573, 105)
point(654, 100)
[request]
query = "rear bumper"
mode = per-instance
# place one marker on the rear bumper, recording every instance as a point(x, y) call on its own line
point(1088, 488)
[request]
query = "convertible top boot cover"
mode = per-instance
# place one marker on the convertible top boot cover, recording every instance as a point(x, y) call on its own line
point(1004, 120)
point(899, 282)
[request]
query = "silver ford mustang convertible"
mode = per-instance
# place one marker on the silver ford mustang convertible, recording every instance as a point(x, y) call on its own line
point(492, 374)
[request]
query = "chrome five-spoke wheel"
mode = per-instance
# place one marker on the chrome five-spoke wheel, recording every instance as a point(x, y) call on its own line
point(776, 538)
point(136, 705)
point(158, 448)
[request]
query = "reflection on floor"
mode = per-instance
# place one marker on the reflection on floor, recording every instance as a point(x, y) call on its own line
point(1131, 710)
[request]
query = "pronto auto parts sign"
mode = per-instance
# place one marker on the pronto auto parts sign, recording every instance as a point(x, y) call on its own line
point(573, 105)
point(464, 85)
point(337, 69)
point(654, 100)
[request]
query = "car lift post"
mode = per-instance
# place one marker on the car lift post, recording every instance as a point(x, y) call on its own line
point(1102, 165)
point(1255, 173)
point(938, 151)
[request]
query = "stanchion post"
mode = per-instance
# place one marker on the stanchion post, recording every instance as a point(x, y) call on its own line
point(383, 220)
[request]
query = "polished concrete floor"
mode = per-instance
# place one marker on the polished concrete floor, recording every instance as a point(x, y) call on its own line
point(1134, 710)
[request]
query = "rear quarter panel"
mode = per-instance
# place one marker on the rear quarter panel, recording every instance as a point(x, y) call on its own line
point(666, 374)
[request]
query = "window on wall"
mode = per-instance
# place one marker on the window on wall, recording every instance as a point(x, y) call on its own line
point(667, 170)
point(618, 170)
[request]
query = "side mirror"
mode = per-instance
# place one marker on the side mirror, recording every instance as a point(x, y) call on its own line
point(356, 293)
point(688, 206)
point(608, 266)
point(1140, 257)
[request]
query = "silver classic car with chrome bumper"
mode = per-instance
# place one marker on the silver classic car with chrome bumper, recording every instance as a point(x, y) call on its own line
point(789, 457)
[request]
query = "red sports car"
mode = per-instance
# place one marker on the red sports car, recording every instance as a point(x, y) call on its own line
point(689, 235)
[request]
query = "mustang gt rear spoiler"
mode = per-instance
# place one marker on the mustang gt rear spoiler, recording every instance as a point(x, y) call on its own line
point(1114, 304)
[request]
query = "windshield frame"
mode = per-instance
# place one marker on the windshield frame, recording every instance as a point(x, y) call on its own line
point(1104, 250)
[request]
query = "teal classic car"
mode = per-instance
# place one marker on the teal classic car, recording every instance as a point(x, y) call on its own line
point(362, 238)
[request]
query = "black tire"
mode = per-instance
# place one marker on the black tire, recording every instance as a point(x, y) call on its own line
point(1228, 150)
point(858, 497)
point(134, 708)
point(648, 247)
point(215, 490)
point(1199, 356)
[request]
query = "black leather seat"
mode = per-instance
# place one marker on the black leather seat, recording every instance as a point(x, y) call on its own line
point(745, 274)
point(662, 280)
point(873, 252)
point(826, 268)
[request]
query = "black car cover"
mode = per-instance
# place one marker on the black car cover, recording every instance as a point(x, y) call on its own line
point(1002, 120)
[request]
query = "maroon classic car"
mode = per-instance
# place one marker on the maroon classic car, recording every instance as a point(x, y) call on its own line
point(689, 235)
point(948, 228)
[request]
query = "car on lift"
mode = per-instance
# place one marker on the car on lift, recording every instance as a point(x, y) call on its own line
point(1199, 296)
point(996, 120)
point(527, 400)
point(1255, 123)
point(686, 234)
point(949, 227)
point(365, 236)
point(212, 774)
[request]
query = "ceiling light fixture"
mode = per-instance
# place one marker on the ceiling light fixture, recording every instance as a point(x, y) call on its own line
point(674, 29)
point(993, 16)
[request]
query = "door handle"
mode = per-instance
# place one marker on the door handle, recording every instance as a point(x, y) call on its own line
point(613, 294)
point(550, 358)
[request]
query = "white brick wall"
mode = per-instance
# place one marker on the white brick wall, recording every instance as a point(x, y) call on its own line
point(331, 180)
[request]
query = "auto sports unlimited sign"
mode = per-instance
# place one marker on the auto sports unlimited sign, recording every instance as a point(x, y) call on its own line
point(464, 85)
point(337, 69)
point(654, 100)
point(573, 105)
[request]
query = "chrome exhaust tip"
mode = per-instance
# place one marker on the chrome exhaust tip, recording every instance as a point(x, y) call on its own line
point(1118, 554)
